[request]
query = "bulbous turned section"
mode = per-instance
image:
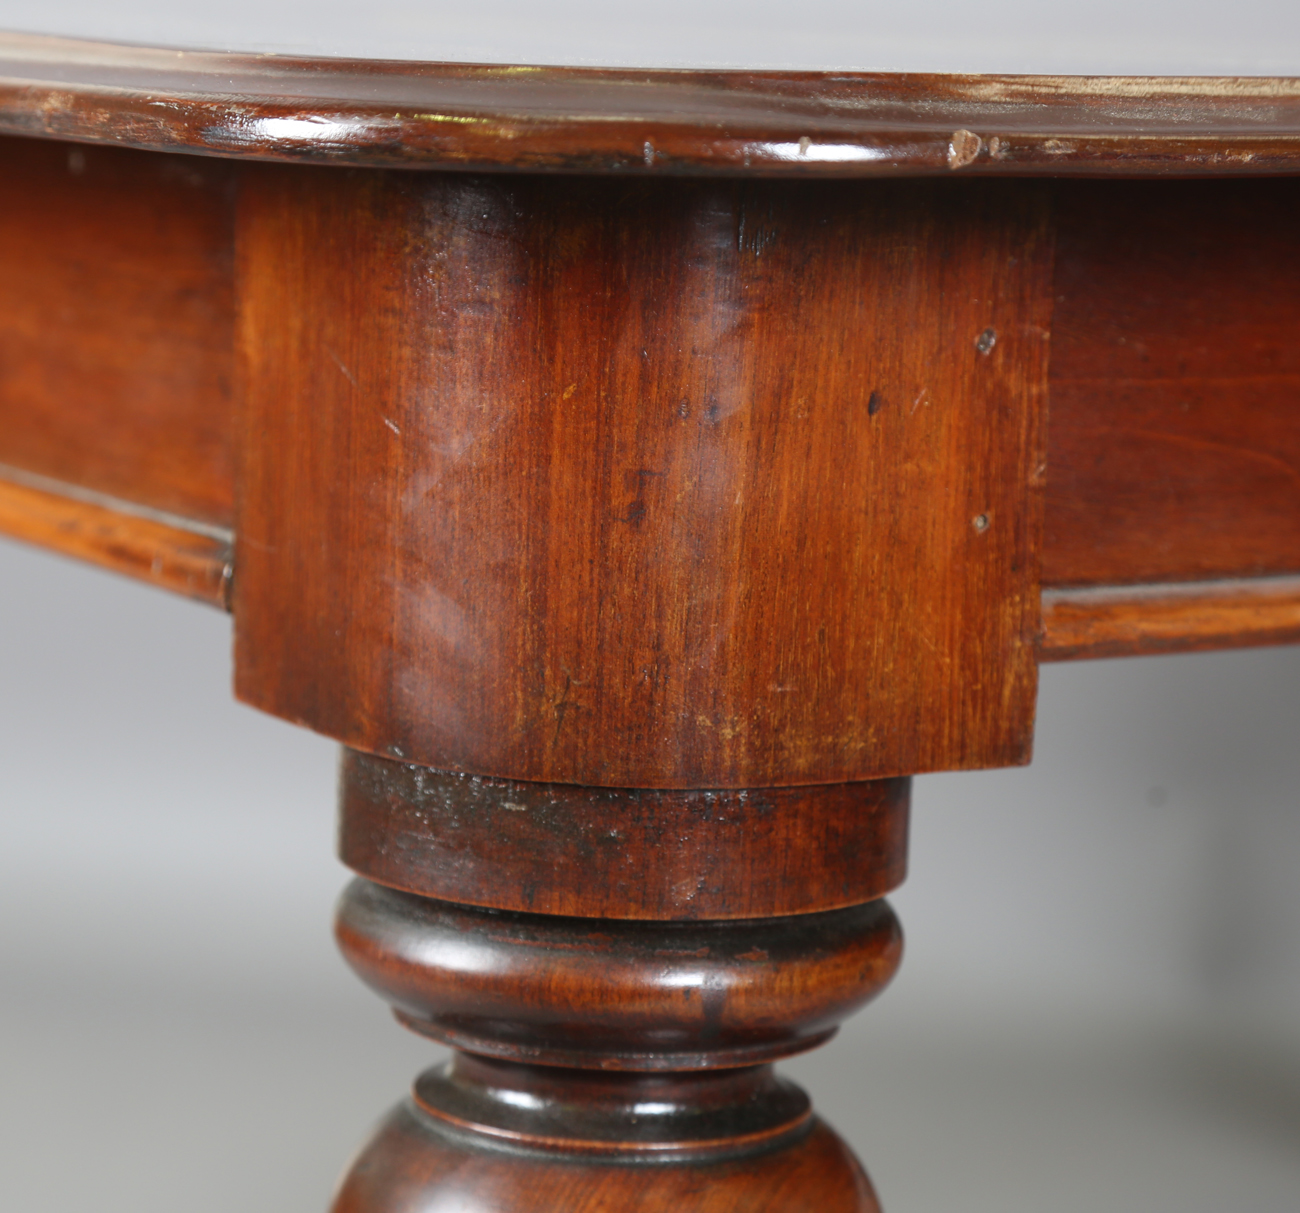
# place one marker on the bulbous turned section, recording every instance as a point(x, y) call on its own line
point(616, 995)
point(614, 1056)
point(415, 1164)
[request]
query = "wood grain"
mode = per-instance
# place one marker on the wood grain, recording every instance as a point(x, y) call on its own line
point(164, 551)
point(1174, 434)
point(644, 122)
point(1131, 621)
point(655, 485)
point(621, 853)
point(116, 322)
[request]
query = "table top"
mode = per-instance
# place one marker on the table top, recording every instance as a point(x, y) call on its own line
point(667, 121)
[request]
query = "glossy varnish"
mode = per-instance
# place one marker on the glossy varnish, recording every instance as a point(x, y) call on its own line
point(1125, 621)
point(412, 1164)
point(610, 1066)
point(644, 122)
point(172, 553)
point(644, 485)
point(660, 513)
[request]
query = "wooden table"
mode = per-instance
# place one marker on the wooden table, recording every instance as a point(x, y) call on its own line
point(643, 474)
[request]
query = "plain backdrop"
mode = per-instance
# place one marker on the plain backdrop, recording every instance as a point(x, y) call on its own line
point(1147, 37)
point(1100, 1005)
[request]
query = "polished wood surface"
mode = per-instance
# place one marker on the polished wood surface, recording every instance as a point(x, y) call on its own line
point(1174, 439)
point(116, 324)
point(621, 853)
point(1167, 459)
point(626, 529)
point(655, 497)
point(171, 553)
point(631, 1042)
point(451, 115)
point(617, 995)
point(1129, 621)
point(599, 1113)
point(411, 1165)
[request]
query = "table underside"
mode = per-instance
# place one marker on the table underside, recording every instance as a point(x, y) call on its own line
point(1172, 506)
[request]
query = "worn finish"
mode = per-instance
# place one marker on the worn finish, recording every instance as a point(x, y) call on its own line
point(621, 853)
point(616, 995)
point(167, 552)
point(1174, 435)
point(452, 115)
point(116, 323)
point(635, 485)
point(1131, 621)
point(412, 1164)
point(657, 512)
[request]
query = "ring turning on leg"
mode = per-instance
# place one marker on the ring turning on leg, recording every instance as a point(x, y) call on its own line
point(605, 1064)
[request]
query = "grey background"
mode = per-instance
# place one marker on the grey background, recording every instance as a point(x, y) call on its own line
point(1152, 37)
point(1100, 1005)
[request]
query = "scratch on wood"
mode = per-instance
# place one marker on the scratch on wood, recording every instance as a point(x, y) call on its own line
point(347, 374)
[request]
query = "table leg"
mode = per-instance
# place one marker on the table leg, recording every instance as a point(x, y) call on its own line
point(608, 1062)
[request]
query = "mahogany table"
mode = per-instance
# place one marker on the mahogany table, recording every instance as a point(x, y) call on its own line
point(643, 474)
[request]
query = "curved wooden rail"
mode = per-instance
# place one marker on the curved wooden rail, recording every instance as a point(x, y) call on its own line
point(832, 124)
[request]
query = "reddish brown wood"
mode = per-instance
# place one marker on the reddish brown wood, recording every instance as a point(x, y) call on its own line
point(635, 121)
point(654, 1117)
point(1175, 383)
point(170, 553)
point(1129, 621)
point(679, 485)
point(411, 1164)
point(1174, 439)
point(636, 486)
point(639, 1044)
point(116, 313)
point(621, 853)
point(623, 995)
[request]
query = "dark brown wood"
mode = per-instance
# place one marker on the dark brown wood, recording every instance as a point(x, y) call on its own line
point(116, 320)
point(621, 853)
point(642, 1044)
point(646, 122)
point(625, 485)
point(171, 553)
point(655, 1117)
point(412, 1163)
point(1174, 438)
point(1131, 621)
point(622, 995)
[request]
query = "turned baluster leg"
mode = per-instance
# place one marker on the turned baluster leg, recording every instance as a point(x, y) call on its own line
point(693, 485)
point(617, 1061)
